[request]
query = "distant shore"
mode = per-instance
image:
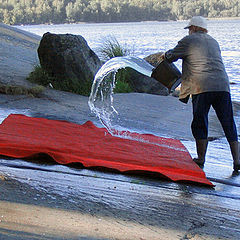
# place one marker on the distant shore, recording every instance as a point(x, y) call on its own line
point(177, 20)
point(225, 18)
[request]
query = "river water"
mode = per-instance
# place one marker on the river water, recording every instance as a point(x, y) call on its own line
point(145, 38)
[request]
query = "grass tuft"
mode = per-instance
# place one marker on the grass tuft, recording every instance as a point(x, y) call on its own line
point(111, 48)
point(20, 90)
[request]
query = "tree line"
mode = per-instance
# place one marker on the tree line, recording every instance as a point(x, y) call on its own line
point(16, 12)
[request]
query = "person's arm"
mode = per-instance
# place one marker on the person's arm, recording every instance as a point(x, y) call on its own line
point(179, 52)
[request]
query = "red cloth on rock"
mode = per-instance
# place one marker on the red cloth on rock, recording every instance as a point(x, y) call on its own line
point(66, 142)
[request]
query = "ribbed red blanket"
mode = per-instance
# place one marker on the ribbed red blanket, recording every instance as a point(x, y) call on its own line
point(66, 142)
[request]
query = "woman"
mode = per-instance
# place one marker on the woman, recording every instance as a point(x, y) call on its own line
point(204, 78)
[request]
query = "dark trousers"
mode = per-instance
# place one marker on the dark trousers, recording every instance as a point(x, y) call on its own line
point(222, 104)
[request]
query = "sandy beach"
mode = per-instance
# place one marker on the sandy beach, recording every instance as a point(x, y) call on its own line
point(45, 200)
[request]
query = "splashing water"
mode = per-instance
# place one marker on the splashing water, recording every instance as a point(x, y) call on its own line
point(101, 97)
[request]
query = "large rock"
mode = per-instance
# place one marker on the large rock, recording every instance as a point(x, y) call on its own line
point(68, 56)
point(144, 84)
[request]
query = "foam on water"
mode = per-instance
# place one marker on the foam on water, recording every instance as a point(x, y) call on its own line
point(101, 97)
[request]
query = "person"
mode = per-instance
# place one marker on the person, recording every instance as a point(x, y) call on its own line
point(204, 78)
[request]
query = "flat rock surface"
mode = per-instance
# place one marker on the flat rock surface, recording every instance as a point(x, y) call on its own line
point(18, 55)
point(44, 200)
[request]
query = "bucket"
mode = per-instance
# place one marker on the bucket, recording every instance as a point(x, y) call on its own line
point(167, 74)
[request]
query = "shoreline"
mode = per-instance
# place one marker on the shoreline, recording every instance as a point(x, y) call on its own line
point(146, 21)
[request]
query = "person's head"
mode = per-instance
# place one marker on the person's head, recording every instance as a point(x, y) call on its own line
point(196, 24)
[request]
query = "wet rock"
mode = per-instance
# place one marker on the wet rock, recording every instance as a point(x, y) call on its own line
point(68, 56)
point(144, 84)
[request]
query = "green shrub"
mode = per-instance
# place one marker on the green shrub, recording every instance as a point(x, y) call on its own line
point(122, 85)
point(40, 76)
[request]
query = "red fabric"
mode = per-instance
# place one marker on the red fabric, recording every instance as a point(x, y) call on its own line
point(65, 142)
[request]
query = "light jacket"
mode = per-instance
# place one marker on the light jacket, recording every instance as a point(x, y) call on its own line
point(202, 67)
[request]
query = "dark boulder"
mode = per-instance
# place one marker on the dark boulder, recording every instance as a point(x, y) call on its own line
point(145, 84)
point(68, 56)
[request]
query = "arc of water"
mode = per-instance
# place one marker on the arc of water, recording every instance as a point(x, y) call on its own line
point(101, 97)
